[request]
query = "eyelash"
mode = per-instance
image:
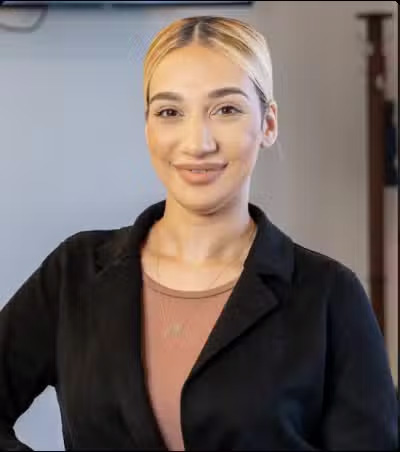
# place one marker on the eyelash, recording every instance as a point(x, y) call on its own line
point(172, 109)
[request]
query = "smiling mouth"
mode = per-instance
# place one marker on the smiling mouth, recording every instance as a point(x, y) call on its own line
point(200, 167)
point(200, 176)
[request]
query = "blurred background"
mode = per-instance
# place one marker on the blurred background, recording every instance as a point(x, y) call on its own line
point(73, 154)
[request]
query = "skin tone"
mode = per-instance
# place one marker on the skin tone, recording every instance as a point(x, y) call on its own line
point(204, 227)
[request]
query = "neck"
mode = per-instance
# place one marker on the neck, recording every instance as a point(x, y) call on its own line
point(203, 238)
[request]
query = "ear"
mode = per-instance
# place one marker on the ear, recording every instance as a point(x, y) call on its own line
point(270, 126)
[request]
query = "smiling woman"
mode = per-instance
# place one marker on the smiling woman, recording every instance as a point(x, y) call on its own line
point(202, 326)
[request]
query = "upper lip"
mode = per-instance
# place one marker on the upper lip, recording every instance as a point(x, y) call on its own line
point(200, 166)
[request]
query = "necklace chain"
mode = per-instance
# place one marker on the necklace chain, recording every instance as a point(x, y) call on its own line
point(176, 328)
point(253, 231)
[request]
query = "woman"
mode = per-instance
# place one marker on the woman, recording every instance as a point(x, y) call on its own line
point(202, 326)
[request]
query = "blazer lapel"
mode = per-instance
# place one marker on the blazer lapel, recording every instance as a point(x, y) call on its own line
point(116, 295)
point(250, 301)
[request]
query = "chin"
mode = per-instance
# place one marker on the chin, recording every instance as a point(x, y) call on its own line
point(201, 204)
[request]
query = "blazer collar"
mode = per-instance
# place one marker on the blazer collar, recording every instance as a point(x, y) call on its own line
point(271, 253)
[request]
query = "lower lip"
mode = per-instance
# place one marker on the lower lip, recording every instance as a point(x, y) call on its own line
point(200, 178)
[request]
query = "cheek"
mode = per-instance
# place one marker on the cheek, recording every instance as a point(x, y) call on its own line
point(160, 145)
point(157, 133)
point(242, 147)
point(156, 142)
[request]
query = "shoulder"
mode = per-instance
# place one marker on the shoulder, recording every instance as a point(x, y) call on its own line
point(88, 241)
point(81, 254)
point(92, 240)
point(81, 243)
point(326, 286)
point(313, 267)
point(334, 282)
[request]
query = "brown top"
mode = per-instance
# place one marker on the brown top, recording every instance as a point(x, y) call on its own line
point(176, 327)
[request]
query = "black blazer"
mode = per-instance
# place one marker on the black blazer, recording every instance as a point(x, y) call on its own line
point(296, 360)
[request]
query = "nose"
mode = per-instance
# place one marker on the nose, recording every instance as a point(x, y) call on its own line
point(198, 139)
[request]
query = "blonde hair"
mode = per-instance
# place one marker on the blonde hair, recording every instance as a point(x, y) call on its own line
point(234, 38)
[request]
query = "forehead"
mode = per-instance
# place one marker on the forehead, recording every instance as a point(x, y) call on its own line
point(195, 70)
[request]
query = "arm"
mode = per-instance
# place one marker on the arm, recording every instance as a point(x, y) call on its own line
point(28, 324)
point(361, 406)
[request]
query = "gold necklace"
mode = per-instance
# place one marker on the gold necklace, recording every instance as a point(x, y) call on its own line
point(176, 328)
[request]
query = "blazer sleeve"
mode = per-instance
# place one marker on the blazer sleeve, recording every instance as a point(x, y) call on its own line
point(28, 325)
point(361, 403)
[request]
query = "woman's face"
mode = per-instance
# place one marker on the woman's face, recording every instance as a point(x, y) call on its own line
point(195, 121)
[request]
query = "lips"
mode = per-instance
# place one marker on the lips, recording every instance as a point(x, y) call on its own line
point(200, 167)
point(201, 171)
point(200, 174)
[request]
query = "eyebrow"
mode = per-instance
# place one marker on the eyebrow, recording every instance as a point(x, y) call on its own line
point(215, 94)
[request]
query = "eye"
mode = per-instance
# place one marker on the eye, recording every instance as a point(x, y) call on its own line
point(229, 107)
point(160, 113)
